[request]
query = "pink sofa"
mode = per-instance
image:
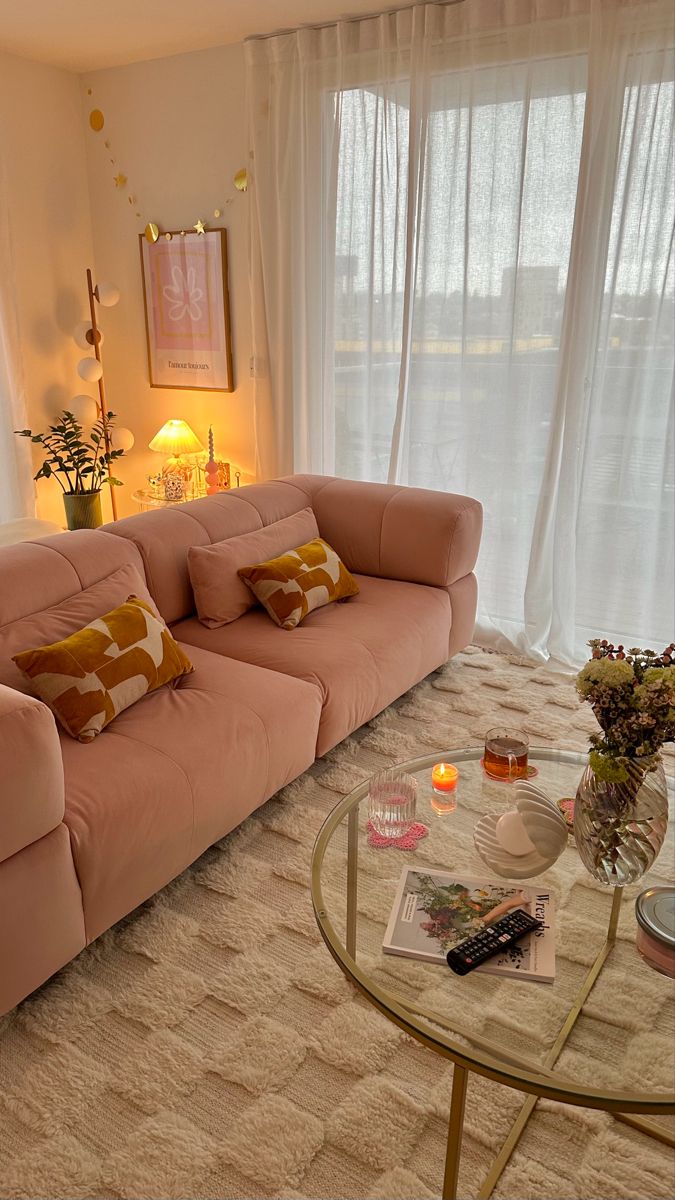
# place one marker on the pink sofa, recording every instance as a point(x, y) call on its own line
point(87, 832)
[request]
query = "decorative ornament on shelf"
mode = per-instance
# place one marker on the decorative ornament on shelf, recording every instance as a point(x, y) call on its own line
point(211, 468)
point(174, 487)
point(621, 805)
point(199, 227)
point(524, 841)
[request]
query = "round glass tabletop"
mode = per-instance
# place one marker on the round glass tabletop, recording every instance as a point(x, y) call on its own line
point(599, 1035)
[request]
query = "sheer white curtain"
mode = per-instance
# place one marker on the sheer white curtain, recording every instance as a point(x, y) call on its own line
point(17, 493)
point(464, 233)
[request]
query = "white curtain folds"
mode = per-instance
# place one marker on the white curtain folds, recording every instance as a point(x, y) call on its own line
point(17, 491)
point(463, 278)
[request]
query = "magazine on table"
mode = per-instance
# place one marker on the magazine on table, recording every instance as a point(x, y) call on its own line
point(434, 910)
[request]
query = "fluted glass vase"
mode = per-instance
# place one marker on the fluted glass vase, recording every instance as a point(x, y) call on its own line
point(619, 828)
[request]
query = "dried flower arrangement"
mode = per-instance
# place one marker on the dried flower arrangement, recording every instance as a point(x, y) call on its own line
point(632, 694)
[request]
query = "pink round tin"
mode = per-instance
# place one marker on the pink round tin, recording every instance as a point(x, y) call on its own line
point(655, 913)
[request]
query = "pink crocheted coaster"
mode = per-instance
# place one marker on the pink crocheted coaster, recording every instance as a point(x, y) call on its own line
point(407, 842)
point(566, 806)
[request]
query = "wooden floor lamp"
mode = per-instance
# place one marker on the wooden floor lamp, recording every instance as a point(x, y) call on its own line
point(108, 295)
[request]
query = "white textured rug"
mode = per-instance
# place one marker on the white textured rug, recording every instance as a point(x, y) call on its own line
point(209, 1047)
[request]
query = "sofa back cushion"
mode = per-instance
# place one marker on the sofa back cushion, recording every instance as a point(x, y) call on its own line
point(220, 595)
point(35, 575)
point(57, 621)
point(164, 536)
point(396, 532)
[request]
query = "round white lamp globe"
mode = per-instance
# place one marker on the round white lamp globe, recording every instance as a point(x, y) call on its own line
point(84, 409)
point(80, 332)
point(122, 439)
point(89, 369)
point(108, 294)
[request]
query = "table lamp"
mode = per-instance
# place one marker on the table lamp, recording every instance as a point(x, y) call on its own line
point(176, 439)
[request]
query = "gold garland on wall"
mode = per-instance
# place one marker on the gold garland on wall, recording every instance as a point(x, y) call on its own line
point(120, 181)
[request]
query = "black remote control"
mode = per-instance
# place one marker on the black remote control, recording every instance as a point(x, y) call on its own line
point(494, 939)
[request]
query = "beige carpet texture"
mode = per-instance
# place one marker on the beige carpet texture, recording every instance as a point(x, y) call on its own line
point(208, 1045)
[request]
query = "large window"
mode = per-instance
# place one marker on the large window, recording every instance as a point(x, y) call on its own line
point(474, 289)
point(494, 225)
point(480, 295)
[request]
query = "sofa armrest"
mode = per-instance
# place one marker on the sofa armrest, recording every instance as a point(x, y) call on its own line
point(31, 772)
point(405, 533)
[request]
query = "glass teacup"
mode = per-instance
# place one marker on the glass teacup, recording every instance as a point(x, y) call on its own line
point(505, 755)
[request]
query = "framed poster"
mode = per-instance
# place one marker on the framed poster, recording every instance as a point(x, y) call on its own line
point(187, 311)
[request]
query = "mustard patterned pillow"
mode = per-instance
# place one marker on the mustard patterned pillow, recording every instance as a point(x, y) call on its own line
point(91, 676)
point(297, 582)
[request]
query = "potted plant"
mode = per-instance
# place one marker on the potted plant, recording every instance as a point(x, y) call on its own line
point(80, 463)
point(621, 806)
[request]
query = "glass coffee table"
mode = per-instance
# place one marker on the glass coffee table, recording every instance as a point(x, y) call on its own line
point(560, 1040)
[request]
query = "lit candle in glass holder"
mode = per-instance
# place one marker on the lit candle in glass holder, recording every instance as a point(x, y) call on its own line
point(444, 783)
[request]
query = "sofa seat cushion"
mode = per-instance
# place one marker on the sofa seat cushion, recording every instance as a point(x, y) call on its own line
point(176, 772)
point(363, 654)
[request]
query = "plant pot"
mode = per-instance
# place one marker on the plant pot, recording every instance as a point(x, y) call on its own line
point(83, 510)
point(619, 828)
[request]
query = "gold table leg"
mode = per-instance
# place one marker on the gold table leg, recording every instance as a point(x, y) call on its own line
point(574, 1013)
point(352, 878)
point(647, 1127)
point(454, 1148)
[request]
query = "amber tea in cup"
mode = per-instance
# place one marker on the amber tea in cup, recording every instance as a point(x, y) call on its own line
point(505, 755)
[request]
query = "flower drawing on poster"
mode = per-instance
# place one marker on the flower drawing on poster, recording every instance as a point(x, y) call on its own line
point(183, 295)
point(187, 311)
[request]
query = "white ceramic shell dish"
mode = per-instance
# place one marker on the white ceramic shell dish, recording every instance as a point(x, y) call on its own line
point(544, 825)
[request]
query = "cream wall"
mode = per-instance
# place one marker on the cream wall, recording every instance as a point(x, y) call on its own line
point(43, 148)
point(176, 129)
